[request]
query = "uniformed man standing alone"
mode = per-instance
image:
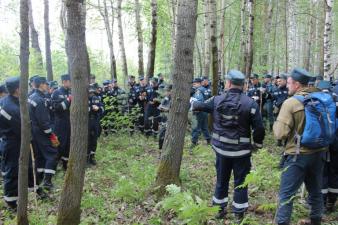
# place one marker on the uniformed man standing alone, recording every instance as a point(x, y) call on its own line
point(236, 117)
point(302, 164)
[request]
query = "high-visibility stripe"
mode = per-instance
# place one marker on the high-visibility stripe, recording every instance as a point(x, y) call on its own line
point(48, 131)
point(11, 199)
point(33, 103)
point(64, 158)
point(40, 170)
point(5, 114)
point(229, 140)
point(259, 145)
point(63, 105)
point(240, 205)
point(333, 190)
point(325, 191)
point(231, 153)
point(253, 111)
point(219, 201)
point(49, 171)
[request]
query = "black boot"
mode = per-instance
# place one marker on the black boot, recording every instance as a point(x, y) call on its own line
point(47, 181)
point(316, 221)
point(41, 194)
point(12, 206)
point(221, 214)
point(92, 160)
point(239, 217)
point(283, 223)
point(64, 164)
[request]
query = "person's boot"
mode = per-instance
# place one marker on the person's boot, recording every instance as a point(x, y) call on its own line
point(47, 182)
point(41, 193)
point(239, 218)
point(313, 221)
point(12, 206)
point(316, 221)
point(221, 214)
point(271, 127)
point(92, 160)
point(192, 146)
point(64, 165)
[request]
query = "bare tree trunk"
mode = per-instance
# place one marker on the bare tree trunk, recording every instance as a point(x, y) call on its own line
point(69, 208)
point(139, 38)
point(153, 40)
point(121, 42)
point(200, 62)
point(292, 33)
point(310, 38)
point(221, 52)
point(286, 36)
point(214, 50)
point(170, 163)
point(275, 48)
point(173, 32)
point(105, 15)
point(267, 31)
point(321, 29)
point(22, 217)
point(34, 36)
point(64, 26)
point(242, 49)
point(249, 51)
point(207, 46)
point(49, 65)
point(327, 38)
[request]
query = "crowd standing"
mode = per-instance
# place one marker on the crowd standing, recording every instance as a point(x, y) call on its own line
point(242, 112)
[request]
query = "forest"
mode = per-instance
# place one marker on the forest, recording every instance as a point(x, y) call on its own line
point(149, 171)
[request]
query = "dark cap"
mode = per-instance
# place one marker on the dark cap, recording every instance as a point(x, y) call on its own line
point(12, 84)
point(301, 75)
point(236, 77)
point(324, 84)
point(204, 78)
point(65, 77)
point(267, 76)
point(106, 82)
point(53, 84)
point(141, 78)
point(197, 80)
point(254, 76)
point(40, 80)
point(319, 77)
point(131, 77)
point(3, 88)
point(114, 81)
point(31, 79)
point(91, 88)
point(283, 76)
point(154, 79)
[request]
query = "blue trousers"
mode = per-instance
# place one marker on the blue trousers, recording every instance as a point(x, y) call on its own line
point(307, 169)
point(224, 167)
point(269, 111)
point(200, 124)
point(330, 177)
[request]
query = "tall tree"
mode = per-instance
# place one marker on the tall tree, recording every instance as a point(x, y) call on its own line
point(310, 38)
point(173, 31)
point(249, 45)
point(221, 50)
point(139, 38)
point(49, 65)
point(207, 47)
point(153, 40)
point(170, 162)
point(121, 41)
point(286, 34)
point(34, 36)
point(242, 49)
point(110, 33)
point(266, 35)
point(64, 26)
point(22, 217)
point(214, 50)
point(327, 38)
point(69, 207)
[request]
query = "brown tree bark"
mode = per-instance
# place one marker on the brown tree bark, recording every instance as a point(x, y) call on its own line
point(69, 211)
point(249, 48)
point(286, 35)
point(153, 40)
point(121, 41)
point(49, 65)
point(221, 50)
point(22, 217)
point(109, 30)
point(242, 49)
point(64, 26)
point(310, 37)
point(139, 38)
point(207, 45)
point(214, 50)
point(34, 36)
point(267, 31)
point(170, 162)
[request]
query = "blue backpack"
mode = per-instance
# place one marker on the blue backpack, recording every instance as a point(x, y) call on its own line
point(320, 121)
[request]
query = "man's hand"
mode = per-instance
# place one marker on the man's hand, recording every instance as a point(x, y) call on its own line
point(95, 108)
point(54, 140)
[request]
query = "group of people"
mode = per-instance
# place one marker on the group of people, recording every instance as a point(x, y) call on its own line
point(301, 111)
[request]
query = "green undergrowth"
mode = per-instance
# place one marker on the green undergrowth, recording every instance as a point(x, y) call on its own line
point(118, 189)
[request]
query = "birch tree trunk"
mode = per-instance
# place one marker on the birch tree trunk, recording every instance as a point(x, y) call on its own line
point(49, 65)
point(139, 38)
point(242, 50)
point(69, 207)
point(249, 51)
point(214, 50)
point(121, 42)
point(275, 47)
point(292, 34)
point(34, 36)
point(22, 217)
point(310, 38)
point(327, 38)
point(221, 52)
point(207, 46)
point(170, 162)
point(267, 31)
point(286, 35)
point(153, 40)
point(64, 26)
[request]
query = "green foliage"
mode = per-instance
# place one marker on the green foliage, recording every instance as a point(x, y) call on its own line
point(191, 210)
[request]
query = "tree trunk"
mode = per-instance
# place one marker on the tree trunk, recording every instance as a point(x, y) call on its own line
point(139, 38)
point(214, 50)
point(327, 38)
point(267, 31)
point(153, 39)
point(49, 66)
point(249, 51)
point(121, 42)
point(321, 29)
point(22, 217)
point(221, 51)
point(170, 163)
point(69, 208)
point(34, 36)
point(310, 38)
point(105, 15)
point(275, 47)
point(242, 49)
point(199, 57)
point(207, 46)
point(286, 36)
point(64, 26)
point(292, 34)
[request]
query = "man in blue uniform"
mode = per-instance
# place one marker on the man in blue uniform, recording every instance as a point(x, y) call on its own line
point(280, 94)
point(254, 90)
point(3, 93)
point(206, 84)
point(236, 117)
point(61, 100)
point(141, 102)
point(44, 138)
point(152, 113)
point(267, 97)
point(200, 119)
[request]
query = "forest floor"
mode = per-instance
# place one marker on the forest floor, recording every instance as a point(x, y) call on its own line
point(117, 190)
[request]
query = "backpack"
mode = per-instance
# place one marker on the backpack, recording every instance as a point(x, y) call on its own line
point(320, 121)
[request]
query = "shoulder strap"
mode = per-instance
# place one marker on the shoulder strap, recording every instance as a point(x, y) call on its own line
point(299, 98)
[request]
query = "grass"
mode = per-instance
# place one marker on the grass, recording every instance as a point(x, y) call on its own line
point(117, 191)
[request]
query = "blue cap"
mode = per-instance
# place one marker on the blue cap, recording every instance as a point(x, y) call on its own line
point(31, 79)
point(197, 80)
point(324, 84)
point(106, 82)
point(12, 84)
point(236, 77)
point(65, 77)
point(39, 80)
point(267, 76)
point(53, 84)
point(283, 76)
point(204, 78)
point(301, 75)
point(141, 78)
